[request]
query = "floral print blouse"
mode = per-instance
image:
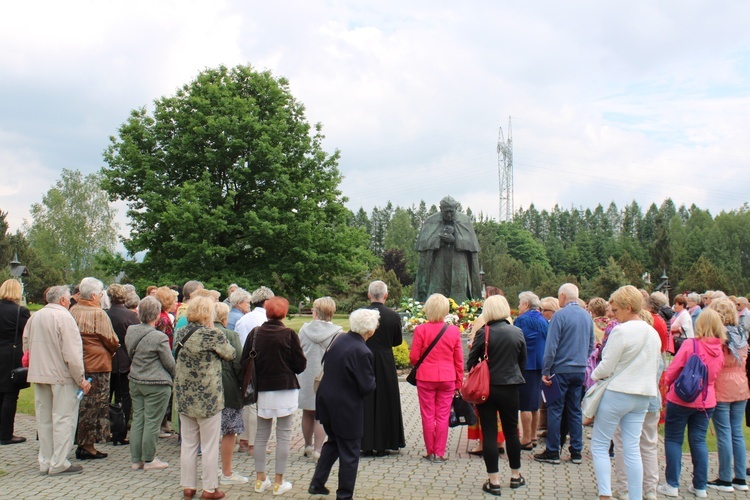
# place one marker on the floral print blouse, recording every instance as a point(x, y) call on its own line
point(197, 383)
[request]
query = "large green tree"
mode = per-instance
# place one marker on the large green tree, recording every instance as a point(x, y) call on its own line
point(73, 225)
point(227, 180)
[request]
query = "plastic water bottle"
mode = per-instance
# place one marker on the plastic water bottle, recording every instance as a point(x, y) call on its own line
point(79, 394)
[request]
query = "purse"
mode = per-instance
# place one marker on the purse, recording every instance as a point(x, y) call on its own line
point(476, 388)
point(18, 376)
point(462, 413)
point(249, 382)
point(412, 377)
point(319, 378)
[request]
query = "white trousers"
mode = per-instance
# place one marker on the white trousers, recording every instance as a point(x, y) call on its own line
point(56, 419)
point(250, 418)
point(203, 432)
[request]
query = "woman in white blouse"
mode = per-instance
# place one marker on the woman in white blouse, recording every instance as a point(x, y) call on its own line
point(630, 361)
point(681, 327)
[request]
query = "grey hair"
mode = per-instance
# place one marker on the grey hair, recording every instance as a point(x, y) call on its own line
point(129, 287)
point(531, 299)
point(718, 294)
point(660, 299)
point(90, 286)
point(189, 288)
point(149, 309)
point(569, 291)
point(132, 300)
point(239, 295)
point(694, 297)
point(221, 312)
point(377, 290)
point(364, 321)
point(262, 294)
point(56, 293)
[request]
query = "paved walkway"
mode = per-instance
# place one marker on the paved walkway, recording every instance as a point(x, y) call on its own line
point(400, 476)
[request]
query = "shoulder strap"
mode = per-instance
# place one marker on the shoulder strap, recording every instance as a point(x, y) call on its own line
point(182, 342)
point(429, 348)
point(329, 345)
point(15, 338)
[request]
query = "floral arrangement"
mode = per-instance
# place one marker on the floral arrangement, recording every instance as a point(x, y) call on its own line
point(461, 315)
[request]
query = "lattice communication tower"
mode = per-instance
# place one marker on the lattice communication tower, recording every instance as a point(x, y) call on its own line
point(505, 173)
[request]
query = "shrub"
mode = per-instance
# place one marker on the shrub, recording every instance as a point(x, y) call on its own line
point(401, 355)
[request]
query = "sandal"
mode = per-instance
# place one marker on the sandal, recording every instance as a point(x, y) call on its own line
point(516, 483)
point(492, 489)
point(528, 446)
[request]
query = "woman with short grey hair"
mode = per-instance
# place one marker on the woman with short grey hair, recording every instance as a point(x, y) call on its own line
point(151, 373)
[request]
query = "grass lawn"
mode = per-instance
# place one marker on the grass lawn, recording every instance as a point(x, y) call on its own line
point(710, 437)
point(26, 401)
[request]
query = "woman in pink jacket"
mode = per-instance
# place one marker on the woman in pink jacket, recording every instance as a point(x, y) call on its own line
point(709, 337)
point(731, 398)
point(439, 376)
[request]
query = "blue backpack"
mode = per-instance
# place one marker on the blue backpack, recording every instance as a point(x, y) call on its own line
point(693, 380)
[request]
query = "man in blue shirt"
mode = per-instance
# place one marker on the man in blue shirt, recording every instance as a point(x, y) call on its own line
point(570, 340)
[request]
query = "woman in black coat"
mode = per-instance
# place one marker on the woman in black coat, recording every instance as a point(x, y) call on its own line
point(507, 360)
point(13, 319)
point(348, 377)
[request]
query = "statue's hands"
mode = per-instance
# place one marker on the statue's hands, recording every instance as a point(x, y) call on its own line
point(447, 237)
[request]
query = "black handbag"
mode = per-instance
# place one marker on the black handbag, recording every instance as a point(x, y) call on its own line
point(117, 425)
point(18, 375)
point(412, 377)
point(462, 413)
point(249, 379)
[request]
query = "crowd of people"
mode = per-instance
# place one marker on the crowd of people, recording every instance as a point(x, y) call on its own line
point(233, 371)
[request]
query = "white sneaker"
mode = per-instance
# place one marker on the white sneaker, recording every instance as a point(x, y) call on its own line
point(621, 495)
point(233, 479)
point(316, 455)
point(261, 486)
point(155, 464)
point(280, 489)
point(651, 495)
point(308, 451)
point(667, 490)
point(698, 493)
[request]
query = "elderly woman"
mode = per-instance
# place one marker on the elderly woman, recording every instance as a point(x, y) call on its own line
point(731, 399)
point(681, 327)
point(199, 393)
point(507, 360)
point(710, 335)
point(280, 359)
point(151, 373)
point(239, 301)
point(597, 308)
point(99, 344)
point(439, 376)
point(630, 361)
point(164, 324)
point(121, 318)
point(231, 415)
point(315, 337)
point(549, 306)
point(13, 318)
point(534, 328)
point(349, 377)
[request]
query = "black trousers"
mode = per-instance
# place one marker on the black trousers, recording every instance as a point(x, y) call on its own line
point(503, 400)
point(119, 387)
point(8, 402)
point(346, 451)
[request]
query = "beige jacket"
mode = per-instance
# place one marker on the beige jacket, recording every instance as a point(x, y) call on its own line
point(56, 351)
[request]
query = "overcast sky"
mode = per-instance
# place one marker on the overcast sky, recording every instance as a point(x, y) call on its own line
point(610, 101)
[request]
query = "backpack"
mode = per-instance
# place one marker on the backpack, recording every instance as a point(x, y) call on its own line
point(693, 380)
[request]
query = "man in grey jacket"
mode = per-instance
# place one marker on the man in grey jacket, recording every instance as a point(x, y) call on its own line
point(56, 368)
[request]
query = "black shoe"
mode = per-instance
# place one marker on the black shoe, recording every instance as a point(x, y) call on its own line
point(380, 453)
point(500, 450)
point(548, 457)
point(83, 454)
point(718, 484)
point(517, 483)
point(115, 442)
point(492, 489)
point(318, 490)
point(13, 440)
point(575, 457)
point(739, 484)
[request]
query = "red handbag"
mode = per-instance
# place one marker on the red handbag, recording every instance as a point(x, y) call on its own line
point(476, 387)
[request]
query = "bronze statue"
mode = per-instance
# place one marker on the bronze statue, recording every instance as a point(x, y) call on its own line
point(448, 256)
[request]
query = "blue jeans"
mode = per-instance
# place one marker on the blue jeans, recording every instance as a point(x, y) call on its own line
point(571, 387)
point(727, 419)
point(627, 411)
point(696, 420)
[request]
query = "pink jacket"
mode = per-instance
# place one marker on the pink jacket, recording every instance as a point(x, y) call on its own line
point(711, 354)
point(731, 385)
point(445, 362)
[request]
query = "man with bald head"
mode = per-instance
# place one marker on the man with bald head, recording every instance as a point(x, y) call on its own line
point(570, 340)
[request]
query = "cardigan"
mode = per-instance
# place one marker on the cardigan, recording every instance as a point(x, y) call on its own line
point(152, 362)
